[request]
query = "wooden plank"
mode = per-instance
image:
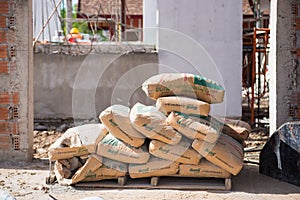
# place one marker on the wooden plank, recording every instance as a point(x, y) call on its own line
point(122, 180)
point(154, 181)
point(179, 183)
point(228, 184)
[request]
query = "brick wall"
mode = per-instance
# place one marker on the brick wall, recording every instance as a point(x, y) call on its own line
point(9, 99)
point(15, 127)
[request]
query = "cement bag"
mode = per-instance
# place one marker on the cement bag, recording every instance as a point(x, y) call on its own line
point(237, 129)
point(183, 84)
point(181, 152)
point(194, 127)
point(183, 105)
point(155, 167)
point(238, 133)
point(227, 153)
point(151, 123)
point(110, 169)
point(111, 147)
point(93, 162)
point(116, 120)
point(77, 141)
point(203, 169)
point(235, 123)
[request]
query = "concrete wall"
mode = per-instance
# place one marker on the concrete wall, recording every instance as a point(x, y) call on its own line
point(204, 37)
point(283, 64)
point(82, 86)
point(16, 114)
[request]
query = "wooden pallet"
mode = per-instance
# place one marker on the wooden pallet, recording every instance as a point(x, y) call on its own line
point(163, 182)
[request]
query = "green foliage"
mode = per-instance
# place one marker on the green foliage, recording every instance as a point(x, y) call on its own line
point(83, 27)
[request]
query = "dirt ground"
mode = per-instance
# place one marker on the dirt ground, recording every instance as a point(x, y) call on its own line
point(26, 181)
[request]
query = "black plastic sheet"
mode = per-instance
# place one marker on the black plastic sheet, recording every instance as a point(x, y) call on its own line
point(280, 157)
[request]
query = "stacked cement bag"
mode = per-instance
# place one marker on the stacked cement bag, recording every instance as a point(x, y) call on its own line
point(91, 153)
point(116, 119)
point(185, 100)
point(151, 123)
point(183, 84)
point(177, 136)
point(73, 150)
point(77, 141)
point(106, 156)
point(113, 148)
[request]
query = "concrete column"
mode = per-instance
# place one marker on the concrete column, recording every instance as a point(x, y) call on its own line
point(283, 74)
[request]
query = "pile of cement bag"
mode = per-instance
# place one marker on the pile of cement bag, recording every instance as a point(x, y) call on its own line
point(177, 136)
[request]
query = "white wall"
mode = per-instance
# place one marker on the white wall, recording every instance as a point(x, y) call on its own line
point(150, 21)
point(204, 37)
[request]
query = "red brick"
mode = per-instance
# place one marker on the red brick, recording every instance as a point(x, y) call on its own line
point(15, 98)
point(5, 138)
point(9, 98)
point(4, 7)
point(15, 128)
point(3, 22)
point(3, 67)
point(6, 144)
point(3, 51)
point(4, 113)
point(3, 38)
point(5, 98)
point(6, 127)
point(9, 127)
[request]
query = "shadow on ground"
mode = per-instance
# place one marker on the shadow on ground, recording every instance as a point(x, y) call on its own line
point(251, 181)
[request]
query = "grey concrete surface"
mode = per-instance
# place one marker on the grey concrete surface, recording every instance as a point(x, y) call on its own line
point(82, 86)
point(283, 63)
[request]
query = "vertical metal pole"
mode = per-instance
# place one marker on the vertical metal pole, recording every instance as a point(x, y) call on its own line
point(69, 16)
point(258, 18)
point(258, 83)
point(123, 15)
point(43, 36)
point(253, 77)
point(117, 20)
